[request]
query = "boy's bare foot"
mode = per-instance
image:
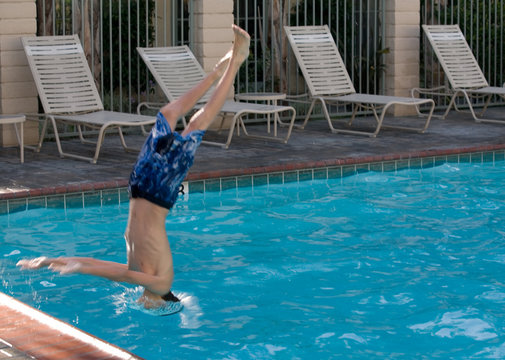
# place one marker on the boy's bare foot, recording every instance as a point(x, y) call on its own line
point(240, 45)
point(239, 52)
point(220, 67)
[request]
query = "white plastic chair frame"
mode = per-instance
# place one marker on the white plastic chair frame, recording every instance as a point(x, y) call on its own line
point(176, 70)
point(328, 81)
point(68, 93)
point(463, 75)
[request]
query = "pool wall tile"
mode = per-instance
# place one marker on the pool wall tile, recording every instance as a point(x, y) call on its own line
point(440, 160)
point(488, 156)
point(320, 174)
point(415, 163)
point(499, 156)
point(427, 163)
point(453, 158)
point(464, 158)
point(290, 176)
point(335, 172)
point(4, 209)
point(213, 185)
point(56, 201)
point(93, 198)
point(36, 203)
point(389, 166)
point(348, 170)
point(377, 167)
point(74, 200)
point(110, 197)
point(261, 179)
point(228, 183)
point(362, 168)
point(304, 175)
point(276, 178)
point(245, 181)
point(196, 186)
point(17, 205)
point(476, 158)
point(124, 195)
point(402, 164)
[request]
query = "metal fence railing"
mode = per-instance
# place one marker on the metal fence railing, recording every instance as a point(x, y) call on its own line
point(110, 31)
point(482, 23)
point(357, 26)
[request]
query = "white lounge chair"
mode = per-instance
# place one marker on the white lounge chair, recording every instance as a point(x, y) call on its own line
point(176, 70)
point(68, 92)
point(328, 81)
point(463, 73)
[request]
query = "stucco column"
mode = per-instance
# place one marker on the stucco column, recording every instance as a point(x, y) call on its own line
point(212, 30)
point(212, 34)
point(17, 90)
point(402, 39)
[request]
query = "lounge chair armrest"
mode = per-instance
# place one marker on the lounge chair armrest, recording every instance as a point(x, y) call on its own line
point(301, 98)
point(148, 105)
point(431, 91)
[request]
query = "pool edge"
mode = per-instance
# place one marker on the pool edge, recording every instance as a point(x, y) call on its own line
point(39, 335)
point(115, 192)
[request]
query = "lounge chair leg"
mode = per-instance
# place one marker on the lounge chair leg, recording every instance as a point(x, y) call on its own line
point(485, 105)
point(230, 133)
point(309, 112)
point(354, 112)
point(57, 137)
point(99, 142)
point(327, 115)
point(377, 116)
point(42, 136)
point(81, 137)
point(121, 137)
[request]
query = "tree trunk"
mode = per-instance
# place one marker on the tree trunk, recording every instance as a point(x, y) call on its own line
point(45, 17)
point(280, 16)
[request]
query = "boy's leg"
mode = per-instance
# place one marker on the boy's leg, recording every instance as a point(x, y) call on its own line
point(204, 117)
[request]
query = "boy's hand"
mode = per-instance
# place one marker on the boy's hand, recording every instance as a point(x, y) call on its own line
point(33, 264)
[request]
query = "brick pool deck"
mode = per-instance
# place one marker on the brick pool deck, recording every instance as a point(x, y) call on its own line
point(45, 174)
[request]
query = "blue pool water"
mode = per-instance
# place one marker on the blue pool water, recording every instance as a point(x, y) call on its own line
point(406, 265)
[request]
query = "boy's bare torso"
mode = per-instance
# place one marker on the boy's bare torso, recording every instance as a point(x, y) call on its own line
point(147, 246)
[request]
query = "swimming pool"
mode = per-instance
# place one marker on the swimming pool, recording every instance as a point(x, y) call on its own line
point(377, 265)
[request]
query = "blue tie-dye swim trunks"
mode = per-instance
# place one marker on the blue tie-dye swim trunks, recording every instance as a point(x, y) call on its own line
point(163, 163)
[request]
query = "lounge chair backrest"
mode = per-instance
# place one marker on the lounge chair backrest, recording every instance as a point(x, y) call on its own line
point(455, 56)
point(175, 69)
point(319, 59)
point(61, 73)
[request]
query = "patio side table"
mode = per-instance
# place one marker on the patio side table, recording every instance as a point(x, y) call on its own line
point(271, 98)
point(15, 120)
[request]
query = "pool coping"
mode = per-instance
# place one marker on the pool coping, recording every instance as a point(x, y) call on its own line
point(28, 333)
point(115, 191)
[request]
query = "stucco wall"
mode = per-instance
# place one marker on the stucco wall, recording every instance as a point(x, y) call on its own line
point(17, 90)
point(402, 39)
